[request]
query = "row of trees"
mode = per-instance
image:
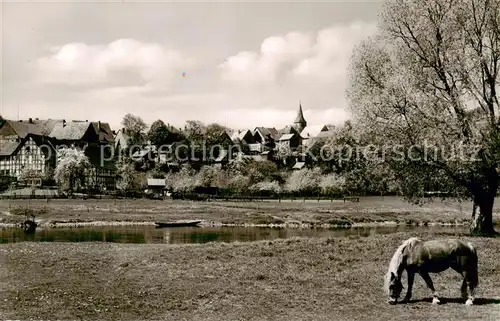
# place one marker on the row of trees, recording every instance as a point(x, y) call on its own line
point(159, 133)
point(251, 177)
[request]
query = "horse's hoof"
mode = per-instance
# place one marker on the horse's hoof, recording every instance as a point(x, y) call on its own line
point(468, 302)
point(435, 301)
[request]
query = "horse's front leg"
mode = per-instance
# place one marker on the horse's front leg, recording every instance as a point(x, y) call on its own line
point(429, 283)
point(411, 277)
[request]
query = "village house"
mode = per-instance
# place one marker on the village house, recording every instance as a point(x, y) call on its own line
point(265, 139)
point(245, 136)
point(311, 132)
point(24, 146)
point(32, 144)
point(122, 142)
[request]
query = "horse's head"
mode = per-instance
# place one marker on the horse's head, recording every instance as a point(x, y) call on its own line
point(394, 287)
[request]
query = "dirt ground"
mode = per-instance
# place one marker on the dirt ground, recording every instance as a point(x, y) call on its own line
point(293, 279)
point(368, 210)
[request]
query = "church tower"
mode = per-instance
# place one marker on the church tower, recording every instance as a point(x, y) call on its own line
point(300, 123)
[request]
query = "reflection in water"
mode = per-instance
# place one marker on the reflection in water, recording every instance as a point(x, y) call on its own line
point(149, 234)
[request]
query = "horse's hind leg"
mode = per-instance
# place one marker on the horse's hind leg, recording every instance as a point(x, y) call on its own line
point(429, 283)
point(464, 289)
point(471, 279)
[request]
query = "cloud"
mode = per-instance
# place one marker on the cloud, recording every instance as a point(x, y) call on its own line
point(313, 65)
point(123, 62)
point(276, 54)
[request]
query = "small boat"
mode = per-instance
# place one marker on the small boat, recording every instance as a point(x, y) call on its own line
point(177, 224)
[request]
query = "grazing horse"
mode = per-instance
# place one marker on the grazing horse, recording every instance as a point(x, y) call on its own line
point(424, 257)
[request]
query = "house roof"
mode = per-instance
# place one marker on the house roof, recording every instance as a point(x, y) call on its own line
point(39, 127)
point(313, 131)
point(105, 132)
point(24, 128)
point(326, 134)
point(267, 131)
point(70, 130)
point(157, 182)
point(321, 137)
point(288, 130)
point(286, 137)
point(47, 125)
point(56, 128)
point(7, 147)
point(59, 129)
point(299, 165)
point(240, 134)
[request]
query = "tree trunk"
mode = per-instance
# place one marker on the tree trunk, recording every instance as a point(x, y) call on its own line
point(482, 215)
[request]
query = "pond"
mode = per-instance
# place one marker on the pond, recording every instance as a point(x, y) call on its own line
point(150, 234)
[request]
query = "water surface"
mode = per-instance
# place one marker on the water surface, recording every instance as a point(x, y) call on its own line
point(150, 234)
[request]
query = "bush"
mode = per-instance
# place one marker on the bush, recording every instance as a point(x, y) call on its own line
point(266, 187)
point(239, 183)
point(71, 168)
point(332, 184)
point(183, 181)
point(304, 182)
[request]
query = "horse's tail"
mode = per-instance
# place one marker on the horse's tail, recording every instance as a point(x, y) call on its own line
point(472, 270)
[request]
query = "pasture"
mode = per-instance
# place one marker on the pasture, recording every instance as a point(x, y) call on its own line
point(370, 210)
point(294, 279)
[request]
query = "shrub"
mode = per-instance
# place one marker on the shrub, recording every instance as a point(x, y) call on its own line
point(305, 181)
point(71, 168)
point(332, 184)
point(268, 187)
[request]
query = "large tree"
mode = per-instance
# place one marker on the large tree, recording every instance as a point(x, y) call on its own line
point(129, 178)
point(135, 127)
point(425, 86)
point(217, 139)
point(195, 134)
point(158, 133)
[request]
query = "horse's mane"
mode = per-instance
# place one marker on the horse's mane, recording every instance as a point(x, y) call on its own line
point(397, 260)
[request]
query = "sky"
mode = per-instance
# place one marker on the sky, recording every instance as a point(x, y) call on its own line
point(239, 64)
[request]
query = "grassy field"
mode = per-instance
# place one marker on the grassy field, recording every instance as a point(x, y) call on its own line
point(368, 210)
point(294, 279)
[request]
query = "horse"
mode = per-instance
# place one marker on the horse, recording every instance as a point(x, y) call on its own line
point(435, 256)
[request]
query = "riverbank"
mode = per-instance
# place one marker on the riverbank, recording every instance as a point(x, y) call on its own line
point(370, 211)
point(294, 279)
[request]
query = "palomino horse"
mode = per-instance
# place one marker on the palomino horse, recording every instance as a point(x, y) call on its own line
point(424, 257)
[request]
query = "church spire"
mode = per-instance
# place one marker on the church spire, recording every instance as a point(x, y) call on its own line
point(300, 122)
